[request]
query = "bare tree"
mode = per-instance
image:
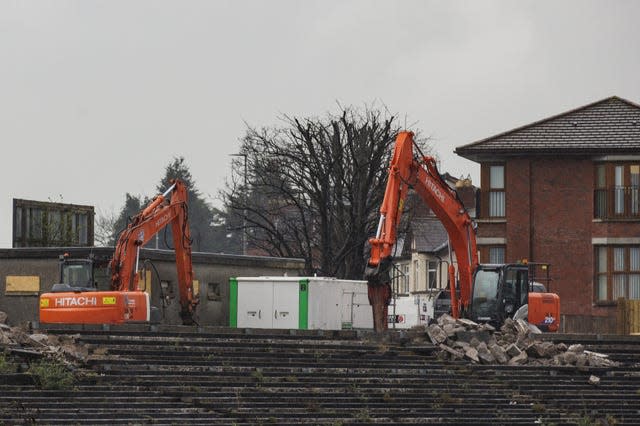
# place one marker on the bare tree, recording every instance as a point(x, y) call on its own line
point(313, 188)
point(105, 223)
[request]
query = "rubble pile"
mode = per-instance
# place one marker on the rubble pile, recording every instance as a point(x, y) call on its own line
point(21, 343)
point(513, 344)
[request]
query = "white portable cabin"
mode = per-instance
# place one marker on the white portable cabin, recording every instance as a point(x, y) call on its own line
point(410, 311)
point(315, 303)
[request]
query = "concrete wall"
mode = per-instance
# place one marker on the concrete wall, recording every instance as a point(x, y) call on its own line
point(212, 271)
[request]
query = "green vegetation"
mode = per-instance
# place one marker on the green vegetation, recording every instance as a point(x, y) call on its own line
point(257, 374)
point(6, 365)
point(363, 415)
point(51, 375)
point(538, 408)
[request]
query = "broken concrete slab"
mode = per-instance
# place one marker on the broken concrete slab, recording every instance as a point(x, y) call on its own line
point(436, 334)
point(519, 359)
point(514, 344)
point(453, 352)
point(498, 353)
point(472, 354)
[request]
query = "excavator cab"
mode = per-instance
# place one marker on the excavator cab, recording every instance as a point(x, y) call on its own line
point(498, 292)
point(75, 275)
point(501, 291)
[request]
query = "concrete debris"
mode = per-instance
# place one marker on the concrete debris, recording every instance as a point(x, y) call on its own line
point(455, 354)
point(20, 342)
point(594, 380)
point(514, 344)
point(436, 334)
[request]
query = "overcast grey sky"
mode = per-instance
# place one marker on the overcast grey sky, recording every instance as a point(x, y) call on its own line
point(98, 97)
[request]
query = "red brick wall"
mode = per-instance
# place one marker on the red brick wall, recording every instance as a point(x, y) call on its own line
point(561, 220)
point(549, 208)
point(517, 193)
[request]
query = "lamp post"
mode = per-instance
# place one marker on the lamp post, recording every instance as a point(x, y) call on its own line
point(244, 212)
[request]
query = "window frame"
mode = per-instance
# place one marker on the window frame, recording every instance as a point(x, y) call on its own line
point(401, 277)
point(485, 252)
point(617, 269)
point(619, 197)
point(432, 269)
point(486, 207)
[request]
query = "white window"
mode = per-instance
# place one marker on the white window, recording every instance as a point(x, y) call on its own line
point(496, 191)
point(432, 274)
point(601, 290)
point(400, 278)
point(623, 275)
point(404, 288)
point(496, 254)
point(619, 190)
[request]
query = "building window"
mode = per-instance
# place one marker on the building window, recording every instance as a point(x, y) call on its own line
point(34, 224)
point(80, 228)
point(496, 255)
point(601, 274)
point(47, 224)
point(432, 274)
point(17, 223)
point(400, 278)
point(600, 199)
point(496, 191)
point(404, 288)
point(214, 292)
point(634, 183)
point(617, 190)
point(617, 272)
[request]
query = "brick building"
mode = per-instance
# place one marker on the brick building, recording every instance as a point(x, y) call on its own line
point(565, 190)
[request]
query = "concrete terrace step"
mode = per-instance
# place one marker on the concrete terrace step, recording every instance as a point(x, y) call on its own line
point(181, 375)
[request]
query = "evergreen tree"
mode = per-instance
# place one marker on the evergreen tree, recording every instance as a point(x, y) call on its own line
point(201, 214)
point(132, 206)
point(208, 226)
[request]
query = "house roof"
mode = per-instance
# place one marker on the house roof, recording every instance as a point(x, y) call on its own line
point(609, 126)
point(429, 235)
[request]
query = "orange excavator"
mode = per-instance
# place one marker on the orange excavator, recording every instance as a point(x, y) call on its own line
point(77, 300)
point(483, 293)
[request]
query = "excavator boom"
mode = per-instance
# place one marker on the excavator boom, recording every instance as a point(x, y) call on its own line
point(419, 172)
point(410, 170)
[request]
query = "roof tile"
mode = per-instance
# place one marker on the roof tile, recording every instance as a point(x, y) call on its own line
point(610, 125)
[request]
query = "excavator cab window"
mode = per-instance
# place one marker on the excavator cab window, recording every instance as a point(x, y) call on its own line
point(77, 274)
point(515, 289)
point(485, 294)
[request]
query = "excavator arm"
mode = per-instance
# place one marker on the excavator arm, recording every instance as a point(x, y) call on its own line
point(419, 172)
point(143, 227)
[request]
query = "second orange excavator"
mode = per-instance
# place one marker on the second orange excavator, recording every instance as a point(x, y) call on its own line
point(76, 299)
point(484, 293)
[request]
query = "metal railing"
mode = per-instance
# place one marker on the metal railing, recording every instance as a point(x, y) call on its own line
point(620, 202)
